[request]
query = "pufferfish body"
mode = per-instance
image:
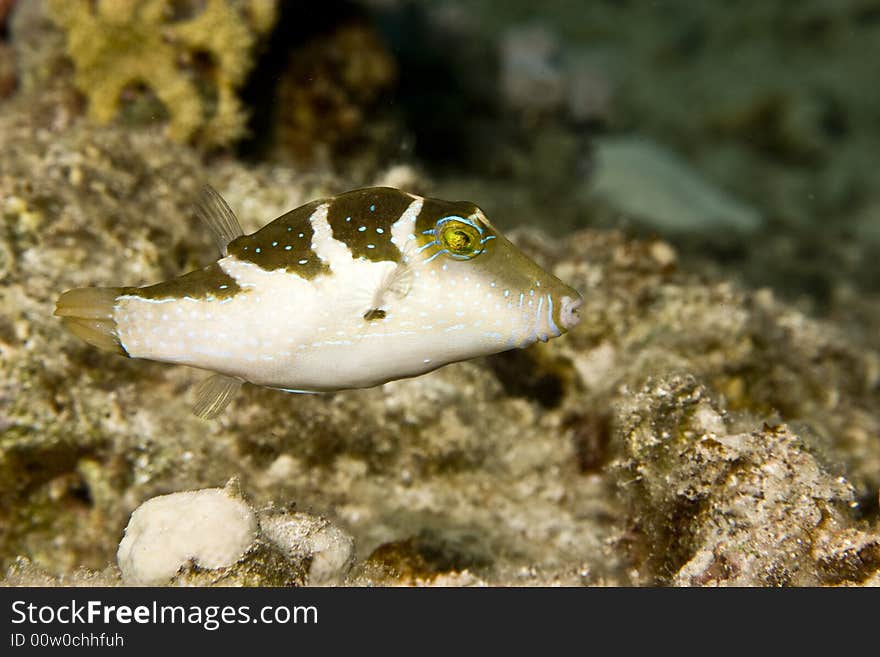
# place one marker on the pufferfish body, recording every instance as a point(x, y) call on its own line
point(345, 292)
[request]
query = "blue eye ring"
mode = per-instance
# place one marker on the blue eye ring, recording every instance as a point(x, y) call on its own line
point(459, 237)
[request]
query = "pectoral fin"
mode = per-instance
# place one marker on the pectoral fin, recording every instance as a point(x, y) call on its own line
point(395, 285)
point(214, 394)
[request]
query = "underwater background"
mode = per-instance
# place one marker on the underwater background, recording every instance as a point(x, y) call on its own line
point(704, 173)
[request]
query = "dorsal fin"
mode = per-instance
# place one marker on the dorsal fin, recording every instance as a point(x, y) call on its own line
point(219, 218)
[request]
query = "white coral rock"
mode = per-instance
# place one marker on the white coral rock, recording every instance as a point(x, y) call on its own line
point(211, 528)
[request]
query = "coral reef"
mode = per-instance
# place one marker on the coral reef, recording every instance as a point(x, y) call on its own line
point(726, 507)
point(8, 73)
point(693, 430)
point(688, 432)
point(194, 64)
point(326, 102)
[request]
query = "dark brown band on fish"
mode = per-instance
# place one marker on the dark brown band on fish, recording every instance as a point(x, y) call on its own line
point(434, 209)
point(286, 243)
point(362, 220)
point(209, 283)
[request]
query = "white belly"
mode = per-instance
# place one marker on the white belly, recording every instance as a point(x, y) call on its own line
point(286, 332)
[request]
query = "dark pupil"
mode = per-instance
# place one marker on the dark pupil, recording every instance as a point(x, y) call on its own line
point(462, 238)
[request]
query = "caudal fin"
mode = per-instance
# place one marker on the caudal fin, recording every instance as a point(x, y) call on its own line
point(87, 312)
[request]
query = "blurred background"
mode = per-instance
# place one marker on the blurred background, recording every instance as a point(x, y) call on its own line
point(745, 132)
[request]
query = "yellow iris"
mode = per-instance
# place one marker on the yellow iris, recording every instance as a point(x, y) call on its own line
point(460, 239)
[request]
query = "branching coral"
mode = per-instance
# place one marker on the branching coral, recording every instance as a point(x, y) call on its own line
point(118, 44)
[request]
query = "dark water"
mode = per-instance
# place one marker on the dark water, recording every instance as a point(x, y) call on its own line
point(772, 104)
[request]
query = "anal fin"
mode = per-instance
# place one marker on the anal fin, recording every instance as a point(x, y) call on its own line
point(214, 394)
point(219, 218)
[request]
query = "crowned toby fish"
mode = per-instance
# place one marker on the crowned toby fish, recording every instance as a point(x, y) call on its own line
point(344, 292)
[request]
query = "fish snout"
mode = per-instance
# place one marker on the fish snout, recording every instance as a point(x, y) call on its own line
point(568, 313)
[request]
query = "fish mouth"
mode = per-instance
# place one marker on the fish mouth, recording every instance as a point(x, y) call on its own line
point(542, 325)
point(568, 312)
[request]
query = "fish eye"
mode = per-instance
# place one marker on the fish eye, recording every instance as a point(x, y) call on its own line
point(461, 238)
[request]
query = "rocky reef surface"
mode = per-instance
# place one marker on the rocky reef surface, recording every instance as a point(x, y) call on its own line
point(687, 431)
point(692, 430)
